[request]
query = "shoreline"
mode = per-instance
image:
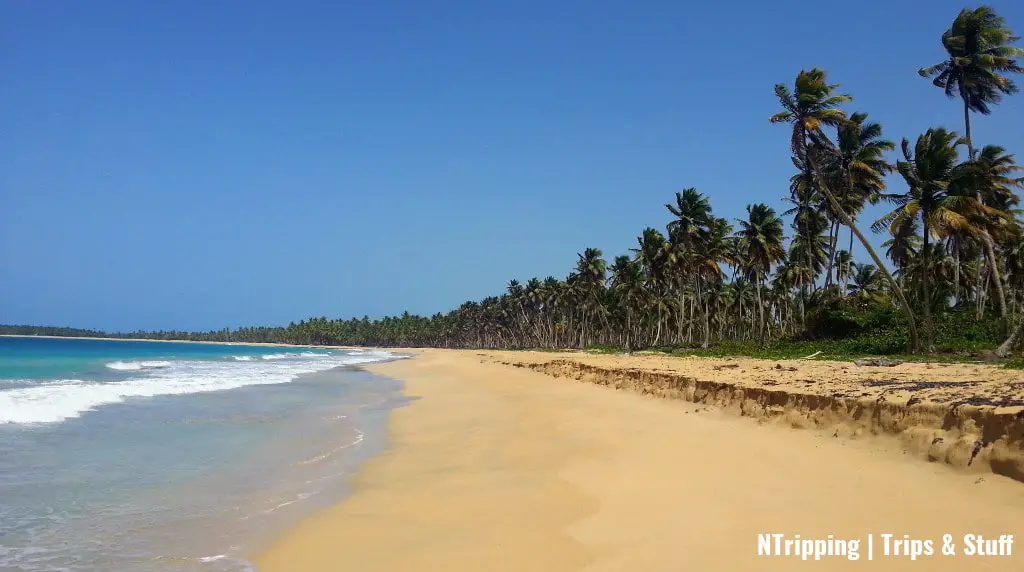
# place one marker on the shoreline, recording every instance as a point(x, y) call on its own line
point(507, 468)
point(262, 344)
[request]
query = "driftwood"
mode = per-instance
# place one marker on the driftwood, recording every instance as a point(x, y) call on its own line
point(812, 356)
point(726, 366)
point(878, 362)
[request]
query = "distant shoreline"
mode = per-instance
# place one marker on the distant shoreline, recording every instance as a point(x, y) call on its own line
point(263, 344)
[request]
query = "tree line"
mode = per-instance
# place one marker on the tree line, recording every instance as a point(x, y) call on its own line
point(954, 238)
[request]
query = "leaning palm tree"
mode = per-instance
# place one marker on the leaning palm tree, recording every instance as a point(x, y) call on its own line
point(761, 240)
point(811, 105)
point(1006, 348)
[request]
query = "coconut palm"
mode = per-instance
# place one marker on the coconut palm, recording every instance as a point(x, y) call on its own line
point(590, 274)
point(866, 283)
point(653, 257)
point(810, 106)
point(860, 165)
point(980, 59)
point(930, 171)
point(844, 267)
point(761, 239)
point(628, 284)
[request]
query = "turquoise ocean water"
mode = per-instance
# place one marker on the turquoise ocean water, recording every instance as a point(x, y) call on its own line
point(126, 456)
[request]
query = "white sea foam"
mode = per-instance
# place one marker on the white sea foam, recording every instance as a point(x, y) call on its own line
point(236, 563)
point(56, 401)
point(137, 365)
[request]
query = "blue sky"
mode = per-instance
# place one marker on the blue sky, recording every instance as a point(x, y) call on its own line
point(199, 165)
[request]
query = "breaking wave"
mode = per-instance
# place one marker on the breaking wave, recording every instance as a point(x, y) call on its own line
point(58, 400)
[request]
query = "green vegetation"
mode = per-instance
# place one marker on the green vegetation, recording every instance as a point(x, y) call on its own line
point(709, 286)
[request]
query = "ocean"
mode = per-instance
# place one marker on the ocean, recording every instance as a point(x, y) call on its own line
point(150, 456)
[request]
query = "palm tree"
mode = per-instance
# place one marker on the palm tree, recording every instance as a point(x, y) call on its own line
point(844, 267)
point(761, 239)
point(991, 174)
point(627, 283)
point(653, 257)
point(980, 56)
point(1006, 347)
point(688, 231)
point(860, 164)
point(692, 213)
point(711, 251)
point(811, 105)
point(866, 283)
point(930, 171)
point(590, 271)
point(980, 59)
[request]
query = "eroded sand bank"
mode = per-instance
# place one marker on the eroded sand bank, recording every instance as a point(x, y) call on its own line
point(502, 468)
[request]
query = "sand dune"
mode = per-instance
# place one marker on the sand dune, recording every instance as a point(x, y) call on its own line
point(501, 468)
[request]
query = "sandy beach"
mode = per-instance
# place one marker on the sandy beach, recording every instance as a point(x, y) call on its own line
point(499, 467)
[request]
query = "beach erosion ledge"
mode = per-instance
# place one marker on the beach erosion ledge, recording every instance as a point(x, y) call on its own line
point(981, 438)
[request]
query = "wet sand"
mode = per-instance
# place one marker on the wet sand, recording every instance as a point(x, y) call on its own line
point(506, 468)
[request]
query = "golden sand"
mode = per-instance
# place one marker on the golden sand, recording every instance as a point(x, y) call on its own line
point(501, 468)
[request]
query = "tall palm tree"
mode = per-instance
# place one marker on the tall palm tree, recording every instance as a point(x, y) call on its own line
point(844, 267)
point(860, 164)
point(992, 175)
point(761, 240)
point(590, 270)
point(980, 57)
point(627, 283)
point(653, 256)
point(688, 231)
point(811, 105)
point(692, 213)
point(977, 71)
point(930, 171)
point(714, 249)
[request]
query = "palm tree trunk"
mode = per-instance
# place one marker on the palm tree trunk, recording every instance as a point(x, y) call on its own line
point(1006, 348)
point(707, 322)
point(956, 275)
point(760, 310)
point(833, 239)
point(990, 251)
point(967, 129)
point(997, 276)
point(657, 336)
point(911, 322)
point(929, 327)
point(851, 246)
point(982, 293)
point(679, 317)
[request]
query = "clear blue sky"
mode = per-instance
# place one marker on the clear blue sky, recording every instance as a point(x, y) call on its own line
point(187, 164)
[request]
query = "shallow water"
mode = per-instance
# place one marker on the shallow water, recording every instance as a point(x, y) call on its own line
point(187, 462)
